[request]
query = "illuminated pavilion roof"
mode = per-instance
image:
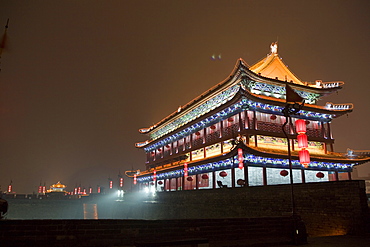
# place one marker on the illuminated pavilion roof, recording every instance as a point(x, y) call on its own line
point(264, 92)
point(273, 67)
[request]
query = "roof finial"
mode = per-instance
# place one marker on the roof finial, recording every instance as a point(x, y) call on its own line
point(274, 47)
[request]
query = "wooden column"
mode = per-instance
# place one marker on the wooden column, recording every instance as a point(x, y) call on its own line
point(329, 131)
point(213, 179)
point(232, 177)
point(323, 135)
point(204, 135)
point(349, 176)
point(246, 178)
point(255, 141)
point(197, 181)
point(240, 122)
point(303, 176)
point(221, 128)
point(191, 141)
point(264, 175)
point(254, 121)
point(246, 120)
point(336, 175)
point(177, 184)
point(183, 183)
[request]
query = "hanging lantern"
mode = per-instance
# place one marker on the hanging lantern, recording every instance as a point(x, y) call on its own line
point(185, 169)
point(240, 158)
point(197, 133)
point(154, 175)
point(302, 141)
point(300, 126)
point(159, 149)
point(189, 179)
point(284, 173)
point(273, 117)
point(135, 179)
point(160, 182)
point(304, 157)
point(307, 122)
point(205, 176)
point(320, 175)
point(168, 146)
point(223, 174)
point(213, 127)
point(230, 119)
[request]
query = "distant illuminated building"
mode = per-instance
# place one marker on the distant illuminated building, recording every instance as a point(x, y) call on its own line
point(58, 188)
point(10, 188)
point(232, 136)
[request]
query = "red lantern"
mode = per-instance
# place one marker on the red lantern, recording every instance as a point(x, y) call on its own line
point(159, 149)
point(320, 175)
point(204, 176)
point(230, 119)
point(240, 158)
point(307, 122)
point(154, 175)
point(189, 179)
point(302, 141)
point(185, 169)
point(213, 127)
point(168, 146)
point(304, 157)
point(273, 117)
point(223, 174)
point(284, 173)
point(160, 182)
point(300, 126)
point(197, 133)
point(135, 179)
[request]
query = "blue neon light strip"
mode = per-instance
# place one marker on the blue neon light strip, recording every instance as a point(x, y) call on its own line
point(252, 160)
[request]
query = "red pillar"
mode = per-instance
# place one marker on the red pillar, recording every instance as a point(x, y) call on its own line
point(240, 122)
point(336, 176)
point(221, 128)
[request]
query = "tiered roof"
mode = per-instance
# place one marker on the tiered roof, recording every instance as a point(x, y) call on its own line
point(261, 86)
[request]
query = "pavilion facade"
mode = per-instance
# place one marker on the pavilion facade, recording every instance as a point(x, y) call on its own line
point(232, 134)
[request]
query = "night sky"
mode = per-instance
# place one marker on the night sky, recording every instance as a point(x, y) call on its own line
point(79, 78)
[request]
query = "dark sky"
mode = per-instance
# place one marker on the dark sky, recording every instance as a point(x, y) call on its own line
point(79, 78)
